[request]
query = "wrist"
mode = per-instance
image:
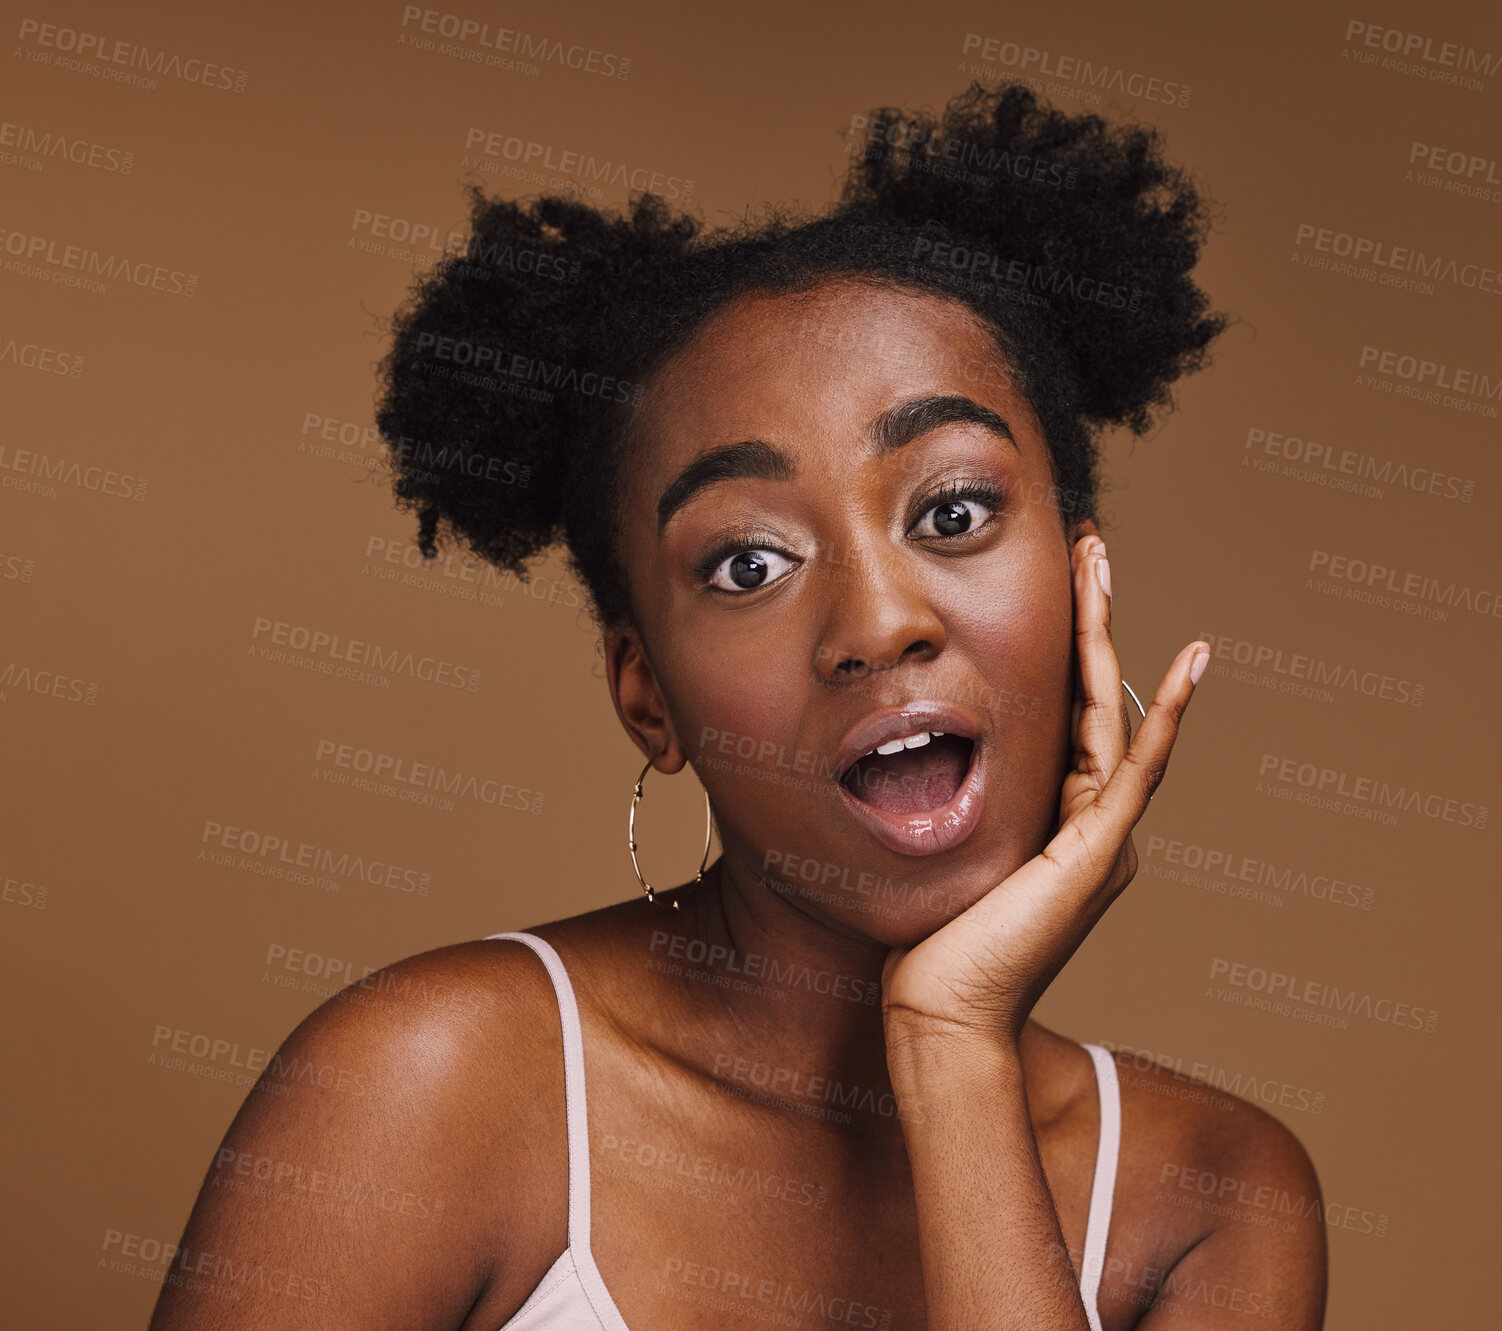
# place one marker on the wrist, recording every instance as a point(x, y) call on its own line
point(923, 1049)
point(904, 1024)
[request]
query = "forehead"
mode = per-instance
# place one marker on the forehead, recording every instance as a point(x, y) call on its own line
point(835, 353)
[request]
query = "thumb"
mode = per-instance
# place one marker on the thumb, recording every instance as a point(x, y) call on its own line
point(889, 967)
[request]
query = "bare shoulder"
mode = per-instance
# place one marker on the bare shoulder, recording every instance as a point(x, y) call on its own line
point(394, 1164)
point(1232, 1196)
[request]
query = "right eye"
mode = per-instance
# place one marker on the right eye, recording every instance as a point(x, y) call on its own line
point(747, 569)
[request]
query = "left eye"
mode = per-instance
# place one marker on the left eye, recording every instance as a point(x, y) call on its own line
point(952, 517)
point(748, 569)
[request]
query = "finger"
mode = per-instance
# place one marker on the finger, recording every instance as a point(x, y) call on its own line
point(1101, 737)
point(1118, 808)
point(1077, 868)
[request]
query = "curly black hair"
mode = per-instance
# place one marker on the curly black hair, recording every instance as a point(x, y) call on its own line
point(507, 394)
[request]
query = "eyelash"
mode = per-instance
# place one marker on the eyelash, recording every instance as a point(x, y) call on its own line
point(731, 545)
point(986, 492)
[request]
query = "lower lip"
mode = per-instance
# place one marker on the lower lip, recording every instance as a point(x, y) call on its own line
point(933, 830)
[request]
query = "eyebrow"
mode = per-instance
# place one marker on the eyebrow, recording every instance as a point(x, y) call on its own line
point(894, 428)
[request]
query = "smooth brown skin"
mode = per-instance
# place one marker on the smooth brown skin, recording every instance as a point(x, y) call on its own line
point(461, 1126)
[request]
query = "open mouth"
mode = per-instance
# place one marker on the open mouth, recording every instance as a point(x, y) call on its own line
point(912, 780)
point(915, 790)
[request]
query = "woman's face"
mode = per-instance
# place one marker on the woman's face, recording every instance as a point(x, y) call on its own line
point(840, 529)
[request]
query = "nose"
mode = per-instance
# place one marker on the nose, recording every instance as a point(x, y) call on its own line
point(879, 616)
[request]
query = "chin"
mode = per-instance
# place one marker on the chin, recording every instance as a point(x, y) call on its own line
point(902, 912)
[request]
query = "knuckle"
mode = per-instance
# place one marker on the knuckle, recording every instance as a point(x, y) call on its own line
point(1153, 774)
point(1123, 870)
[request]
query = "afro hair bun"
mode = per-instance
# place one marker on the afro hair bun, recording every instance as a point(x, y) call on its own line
point(515, 364)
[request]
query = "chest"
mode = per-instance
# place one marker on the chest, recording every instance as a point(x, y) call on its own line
point(715, 1214)
point(688, 1229)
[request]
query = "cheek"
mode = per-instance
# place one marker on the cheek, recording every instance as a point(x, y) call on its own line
point(1017, 633)
point(736, 704)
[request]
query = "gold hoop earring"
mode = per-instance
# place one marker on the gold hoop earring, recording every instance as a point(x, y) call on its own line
point(631, 839)
point(1131, 735)
point(1138, 703)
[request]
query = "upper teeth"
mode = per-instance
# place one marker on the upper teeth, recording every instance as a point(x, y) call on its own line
point(909, 742)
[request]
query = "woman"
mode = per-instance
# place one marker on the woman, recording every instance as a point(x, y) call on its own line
point(830, 483)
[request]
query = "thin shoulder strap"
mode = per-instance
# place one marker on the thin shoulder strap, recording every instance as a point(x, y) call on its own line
point(573, 1089)
point(1103, 1189)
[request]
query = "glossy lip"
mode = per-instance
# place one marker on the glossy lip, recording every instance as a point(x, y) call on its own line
point(934, 830)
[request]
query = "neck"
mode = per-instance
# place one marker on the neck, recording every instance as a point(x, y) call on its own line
point(792, 1004)
point(800, 998)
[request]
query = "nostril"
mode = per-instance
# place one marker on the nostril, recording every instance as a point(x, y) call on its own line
point(855, 665)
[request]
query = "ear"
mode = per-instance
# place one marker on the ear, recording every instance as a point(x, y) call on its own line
point(639, 702)
point(1079, 530)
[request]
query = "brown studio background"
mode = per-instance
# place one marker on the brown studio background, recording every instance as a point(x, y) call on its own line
point(136, 713)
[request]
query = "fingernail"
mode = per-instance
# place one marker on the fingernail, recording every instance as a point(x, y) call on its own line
point(1103, 571)
point(1197, 666)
